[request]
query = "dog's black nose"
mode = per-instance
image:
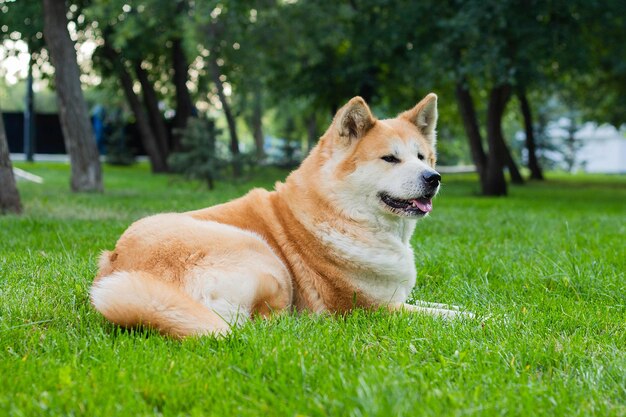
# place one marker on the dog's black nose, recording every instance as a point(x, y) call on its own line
point(431, 177)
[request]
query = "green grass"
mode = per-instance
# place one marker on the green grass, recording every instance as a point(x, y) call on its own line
point(545, 264)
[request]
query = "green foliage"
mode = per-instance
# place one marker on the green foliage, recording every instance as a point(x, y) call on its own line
point(542, 269)
point(12, 98)
point(22, 19)
point(598, 87)
point(142, 33)
point(203, 156)
point(118, 151)
point(333, 50)
point(451, 150)
point(311, 57)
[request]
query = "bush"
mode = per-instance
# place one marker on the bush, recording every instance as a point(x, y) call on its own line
point(118, 151)
point(202, 157)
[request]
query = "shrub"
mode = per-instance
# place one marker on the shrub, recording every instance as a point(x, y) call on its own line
point(202, 157)
point(118, 151)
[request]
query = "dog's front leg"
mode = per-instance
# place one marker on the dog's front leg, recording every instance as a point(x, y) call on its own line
point(434, 309)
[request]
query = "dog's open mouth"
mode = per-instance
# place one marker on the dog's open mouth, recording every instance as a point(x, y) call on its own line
point(412, 207)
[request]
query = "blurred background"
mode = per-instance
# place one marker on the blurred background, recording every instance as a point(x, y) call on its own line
point(213, 89)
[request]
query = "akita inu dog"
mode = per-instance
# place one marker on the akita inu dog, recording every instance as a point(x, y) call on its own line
point(334, 236)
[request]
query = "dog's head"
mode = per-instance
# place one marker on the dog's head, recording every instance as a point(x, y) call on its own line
point(372, 168)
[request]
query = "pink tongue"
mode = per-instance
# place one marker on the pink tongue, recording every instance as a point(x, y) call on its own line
point(424, 205)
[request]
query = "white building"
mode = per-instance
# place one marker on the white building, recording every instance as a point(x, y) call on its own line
point(603, 149)
point(594, 148)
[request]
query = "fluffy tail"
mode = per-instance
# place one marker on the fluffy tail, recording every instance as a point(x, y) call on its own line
point(137, 298)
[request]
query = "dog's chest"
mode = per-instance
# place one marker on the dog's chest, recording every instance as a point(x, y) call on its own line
point(381, 266)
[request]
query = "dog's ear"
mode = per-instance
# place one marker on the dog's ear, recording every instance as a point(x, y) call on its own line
point(424, 116)
point(354, 119)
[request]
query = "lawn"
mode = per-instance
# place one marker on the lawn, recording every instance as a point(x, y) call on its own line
point(543, 268)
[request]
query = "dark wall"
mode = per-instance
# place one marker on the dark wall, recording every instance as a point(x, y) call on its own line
point(49, 136)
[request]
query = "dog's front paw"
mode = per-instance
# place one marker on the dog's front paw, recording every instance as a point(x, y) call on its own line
point(435, 309)
point(446, 313)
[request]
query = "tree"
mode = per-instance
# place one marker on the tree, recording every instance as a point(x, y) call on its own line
point(138, 46)
point(533, 163)
point(472, 129)
point(328, 51)
point(77, 133)
point(184, 105)
point(216, 75)
point(545, 43)
point(247, 57)
point(494, 182)
point(217, 29)
point(25, 19)
point(158, 161)
point(9, 196)
point(124, 44)
point(256, 123)
point(240, 41)
point(596, 78)
point(467, 43)
point(373, 49)
point(151, 103)
point(495, 48)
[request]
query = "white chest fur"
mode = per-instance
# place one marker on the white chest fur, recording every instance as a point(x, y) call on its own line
point(379, 263)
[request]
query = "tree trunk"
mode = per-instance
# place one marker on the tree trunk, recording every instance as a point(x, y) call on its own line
point(516, 177)
point(495, 184)
point(9, 196)
point(257, 125)
point(148, 139)
point(232, 127)
point(470, 123)
point(184, 105)
point(533, 163)
point(155, 116)
point(77, 132)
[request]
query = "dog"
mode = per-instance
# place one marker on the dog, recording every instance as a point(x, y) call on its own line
point(333, 237)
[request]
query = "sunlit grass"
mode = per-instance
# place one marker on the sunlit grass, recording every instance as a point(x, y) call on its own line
point(544, 266)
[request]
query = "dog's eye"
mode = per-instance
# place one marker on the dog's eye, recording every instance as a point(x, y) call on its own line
point(391, 159)
point(420, 156)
